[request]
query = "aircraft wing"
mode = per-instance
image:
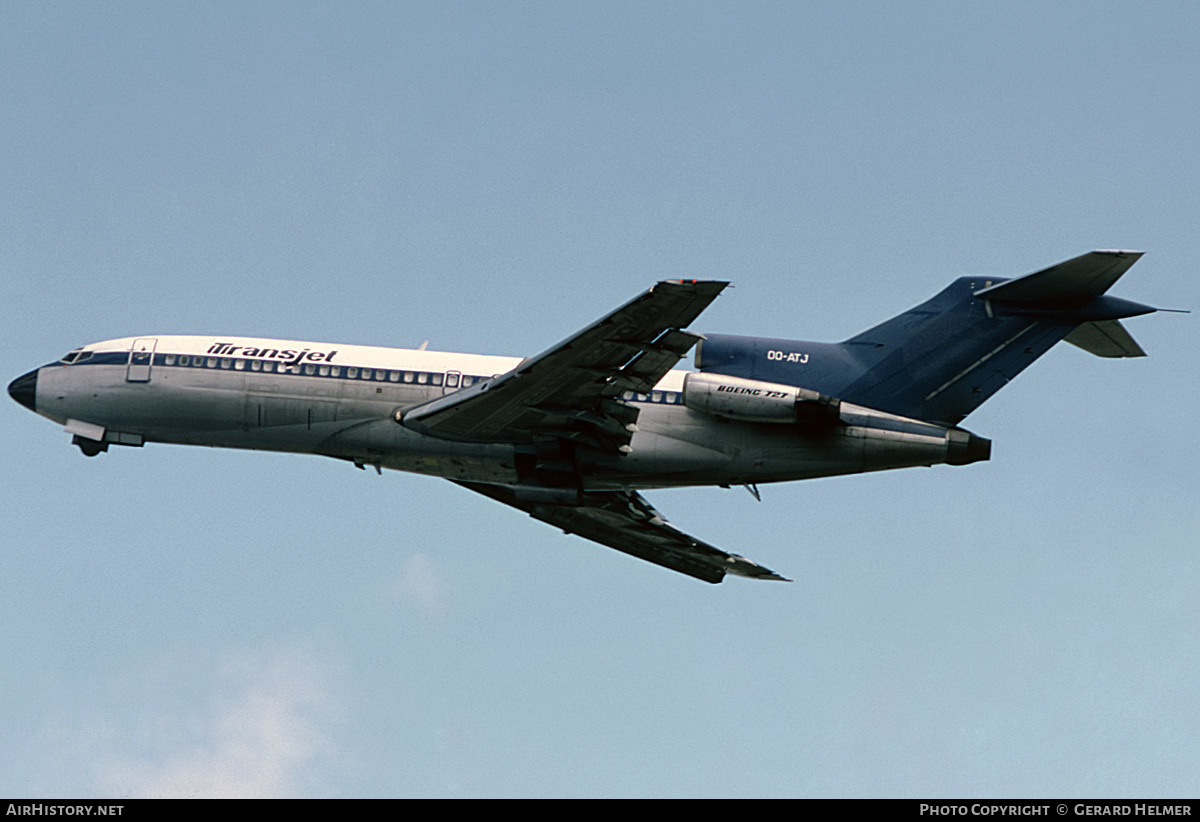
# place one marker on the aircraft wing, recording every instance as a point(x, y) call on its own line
point(574, 389)
point(626, 521)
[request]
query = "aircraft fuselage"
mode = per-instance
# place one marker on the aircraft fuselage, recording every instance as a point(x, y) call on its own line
point(569, 435)
point(343, 401)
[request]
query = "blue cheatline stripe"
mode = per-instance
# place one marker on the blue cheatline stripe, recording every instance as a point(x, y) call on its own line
point(302, 370)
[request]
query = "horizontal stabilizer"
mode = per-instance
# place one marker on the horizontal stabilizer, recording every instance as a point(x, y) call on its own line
point(1080, 279)
point(1107, 338)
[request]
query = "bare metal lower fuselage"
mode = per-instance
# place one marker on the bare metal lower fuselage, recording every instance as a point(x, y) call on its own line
point(228, 405)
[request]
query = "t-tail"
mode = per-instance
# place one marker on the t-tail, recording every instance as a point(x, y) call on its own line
point(944, 358)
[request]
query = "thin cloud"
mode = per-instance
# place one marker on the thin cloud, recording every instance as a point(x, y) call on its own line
point(421, 585)
point(265, 734)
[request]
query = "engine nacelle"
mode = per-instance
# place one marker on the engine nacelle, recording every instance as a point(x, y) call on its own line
point(737, 398)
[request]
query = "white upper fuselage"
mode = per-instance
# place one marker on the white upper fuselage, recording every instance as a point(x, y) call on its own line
point(405, 367)
point(286, 395)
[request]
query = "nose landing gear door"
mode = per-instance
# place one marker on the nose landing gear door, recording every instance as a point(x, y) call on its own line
point(141, 357)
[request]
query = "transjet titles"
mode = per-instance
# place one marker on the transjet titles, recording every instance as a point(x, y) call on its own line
point(289, 356)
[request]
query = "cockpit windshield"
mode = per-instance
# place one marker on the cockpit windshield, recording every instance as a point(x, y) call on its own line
point(76, 356)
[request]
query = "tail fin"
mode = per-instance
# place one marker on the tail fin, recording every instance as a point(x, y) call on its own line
point(942, 359)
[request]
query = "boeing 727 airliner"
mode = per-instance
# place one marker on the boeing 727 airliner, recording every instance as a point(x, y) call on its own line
point(570, 435)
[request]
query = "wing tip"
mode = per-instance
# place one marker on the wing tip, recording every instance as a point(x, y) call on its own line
point(743, 567)
point(708, 288)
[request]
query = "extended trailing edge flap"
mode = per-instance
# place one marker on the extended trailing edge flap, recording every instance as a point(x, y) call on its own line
point(624, 520)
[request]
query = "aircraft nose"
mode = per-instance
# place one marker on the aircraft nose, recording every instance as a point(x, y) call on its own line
point(24, 389)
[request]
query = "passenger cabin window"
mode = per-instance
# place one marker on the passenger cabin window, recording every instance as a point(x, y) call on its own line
point(352, 373)
point(240, 365)
point(184, 359)
point(255, 365)
point(422, 378)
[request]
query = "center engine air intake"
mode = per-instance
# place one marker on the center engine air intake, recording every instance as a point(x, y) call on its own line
point(737, 398)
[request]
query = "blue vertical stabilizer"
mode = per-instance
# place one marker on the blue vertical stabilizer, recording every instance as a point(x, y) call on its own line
point(942, 359)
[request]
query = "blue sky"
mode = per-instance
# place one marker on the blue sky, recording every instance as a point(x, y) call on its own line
point(492, 177)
